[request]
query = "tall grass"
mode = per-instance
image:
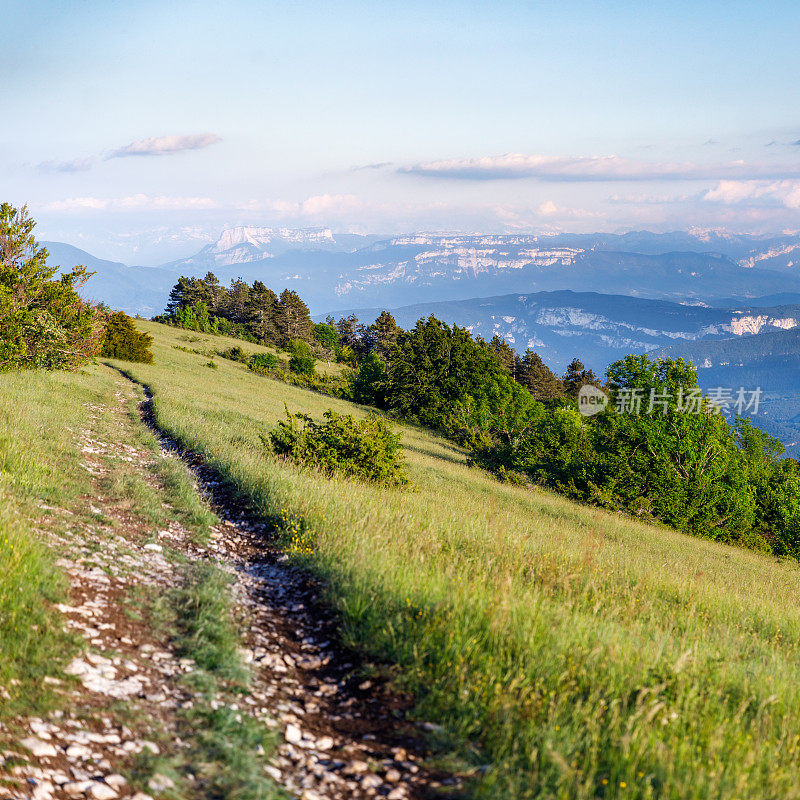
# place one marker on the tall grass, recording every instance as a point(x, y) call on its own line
point(569, 652)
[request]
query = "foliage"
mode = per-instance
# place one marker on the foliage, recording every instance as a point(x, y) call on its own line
point(365, 449)
point(262, 362)
point(292, 320)
point(234, 353)
point(302, 359)
point(369, 385)
point(692, 471)
point(123, 341)
point(43, 321)
point(536, 377)
point(326, 335)
point(254, 313)
point(576, 377)
point(442, 377)
point(383, 335)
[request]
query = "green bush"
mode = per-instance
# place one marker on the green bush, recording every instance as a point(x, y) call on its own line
point(366, 449)
point(369, 385)
point(262, 362)
point(235, 353)
point(123, 341)
point(302, 361)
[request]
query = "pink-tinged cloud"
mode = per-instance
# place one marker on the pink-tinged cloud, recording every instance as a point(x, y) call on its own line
point(594, 168)
point(782, 193)
point(165, 145)
point(136, 202)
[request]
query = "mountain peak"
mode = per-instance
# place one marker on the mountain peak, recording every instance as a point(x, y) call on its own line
point(262, 237)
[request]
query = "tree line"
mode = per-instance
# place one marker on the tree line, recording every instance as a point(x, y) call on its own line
point(257, 313)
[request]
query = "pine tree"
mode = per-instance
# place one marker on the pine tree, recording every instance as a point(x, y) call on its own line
point(261, 312)
point(215, 293)
point(504, 351)
point(237, 302)
point(536, 377)
point(353, 334)
point(186, 292)
point(577, 376)
point(383, 334)
point(293, 319)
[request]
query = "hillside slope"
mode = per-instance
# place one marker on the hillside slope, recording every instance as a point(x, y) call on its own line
point(566, 651)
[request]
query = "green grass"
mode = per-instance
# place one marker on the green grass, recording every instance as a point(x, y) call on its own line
point(39, 466)
point(571, 652)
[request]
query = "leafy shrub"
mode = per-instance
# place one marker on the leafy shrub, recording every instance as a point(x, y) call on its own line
point(369, 385)
point(235, 353)
point(302, 361)
point(123, 341)
point(43, 321)
point(366, 449)
point(262, 362)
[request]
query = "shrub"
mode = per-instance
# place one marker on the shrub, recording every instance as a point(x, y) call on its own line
point(369, 385)
point(235, 353)
point(262, 362)
point(302, 361)
point(366, 449)
point(123, 341)
point(43, 321)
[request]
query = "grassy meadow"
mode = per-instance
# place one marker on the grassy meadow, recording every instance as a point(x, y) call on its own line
point(565, 651)
point(40, 471)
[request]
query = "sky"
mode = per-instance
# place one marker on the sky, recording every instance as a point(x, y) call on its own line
point(138, 131)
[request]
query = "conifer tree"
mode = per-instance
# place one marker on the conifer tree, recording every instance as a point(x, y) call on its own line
point(577, 376)
point(537, 378)
point(382, 335)
point(293, 319)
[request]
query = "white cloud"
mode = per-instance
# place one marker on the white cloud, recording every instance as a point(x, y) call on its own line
point(131, 203)
point(783, 193)
point(593, 168)
point(329, 204)
point(551, 209)
point(165, 145)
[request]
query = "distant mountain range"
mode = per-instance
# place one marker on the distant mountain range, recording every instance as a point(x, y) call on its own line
point(598, 328)
point(337, 271)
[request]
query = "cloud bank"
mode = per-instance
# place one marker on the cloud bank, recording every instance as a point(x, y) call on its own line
point(593, 168)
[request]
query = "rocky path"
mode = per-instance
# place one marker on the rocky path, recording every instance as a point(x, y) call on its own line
point(342, 735)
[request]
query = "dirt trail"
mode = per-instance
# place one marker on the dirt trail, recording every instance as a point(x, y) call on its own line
point(345, 737)
point(342, 736)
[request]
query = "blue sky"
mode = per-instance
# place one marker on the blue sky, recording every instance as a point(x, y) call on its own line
point(138, 131)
